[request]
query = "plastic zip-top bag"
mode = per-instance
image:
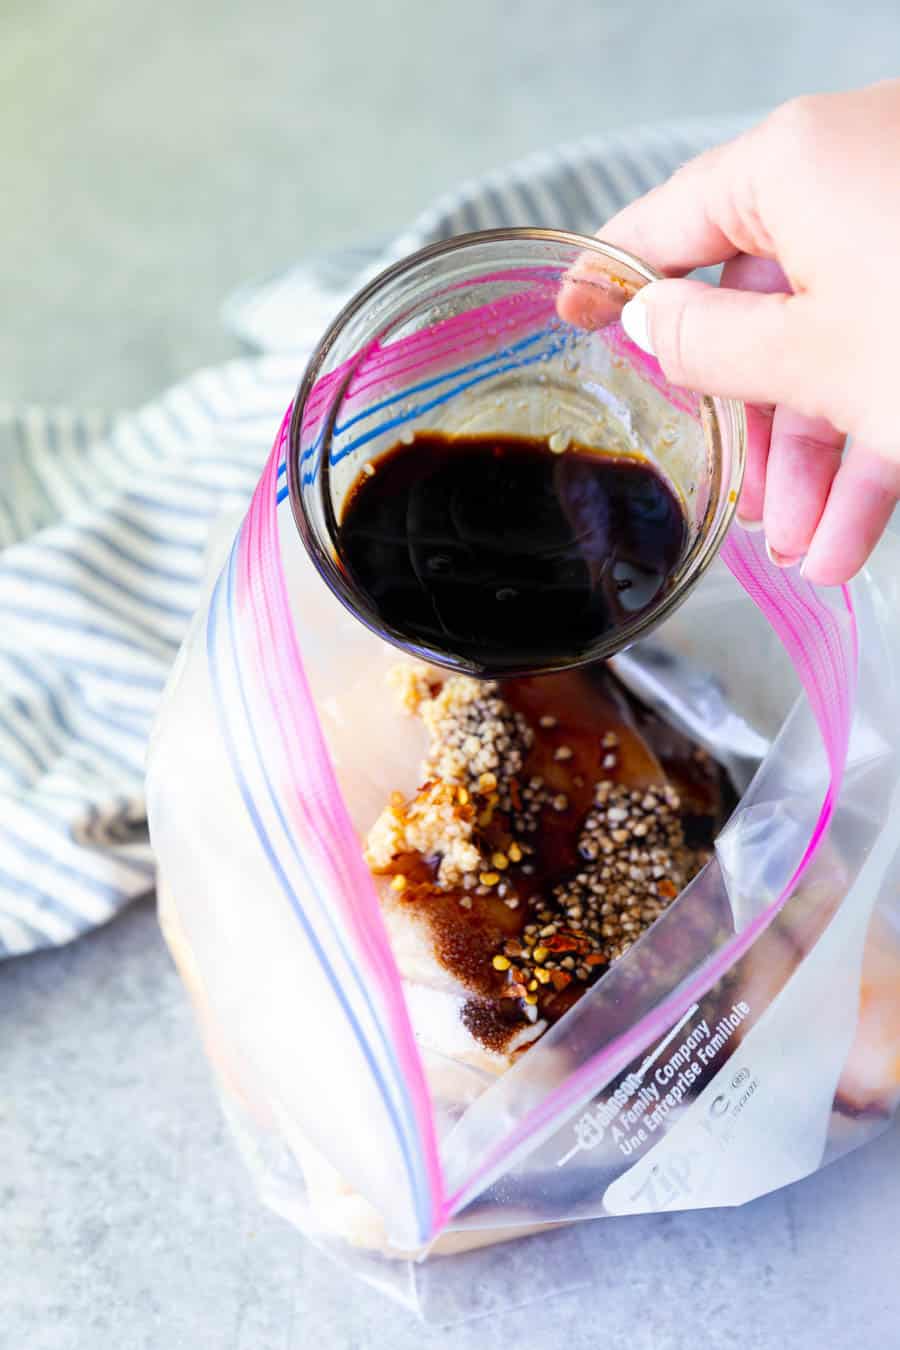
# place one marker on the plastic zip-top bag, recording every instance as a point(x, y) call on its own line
point(748, 1036)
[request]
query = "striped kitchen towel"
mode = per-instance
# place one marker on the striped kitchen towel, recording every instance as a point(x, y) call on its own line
point(104, 523)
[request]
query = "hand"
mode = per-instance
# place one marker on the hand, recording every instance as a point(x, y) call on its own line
point(804, 211)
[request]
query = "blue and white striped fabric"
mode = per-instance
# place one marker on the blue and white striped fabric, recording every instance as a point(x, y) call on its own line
point(104, 523)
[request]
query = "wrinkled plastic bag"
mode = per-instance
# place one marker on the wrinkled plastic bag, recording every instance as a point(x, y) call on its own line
point(752, 1035)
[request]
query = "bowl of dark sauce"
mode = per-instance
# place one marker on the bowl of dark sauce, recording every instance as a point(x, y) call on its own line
point(494, 487)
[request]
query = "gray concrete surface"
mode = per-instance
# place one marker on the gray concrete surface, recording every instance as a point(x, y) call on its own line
point(153, 156)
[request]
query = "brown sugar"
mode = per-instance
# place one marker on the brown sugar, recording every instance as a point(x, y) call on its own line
point(534, 860)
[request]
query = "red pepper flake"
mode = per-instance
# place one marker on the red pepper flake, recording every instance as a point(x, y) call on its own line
point(560, 979)
point(561, 942)
point(566, 941)
point(595, 959)
point(667, 889)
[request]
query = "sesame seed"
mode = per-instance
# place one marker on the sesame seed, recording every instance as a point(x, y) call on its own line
point(631, 856)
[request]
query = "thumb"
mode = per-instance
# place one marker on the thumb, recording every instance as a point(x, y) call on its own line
point(736, 344)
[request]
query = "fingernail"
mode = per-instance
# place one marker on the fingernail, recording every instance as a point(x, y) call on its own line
point(635, 321)
point(752, 525)
point(782, 559)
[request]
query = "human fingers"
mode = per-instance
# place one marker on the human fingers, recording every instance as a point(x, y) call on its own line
point(753, 488)
point(862, 498)
point(684, 223)
point(705, 213)
point(804, 457)
point(737, 344)
point(746, 273)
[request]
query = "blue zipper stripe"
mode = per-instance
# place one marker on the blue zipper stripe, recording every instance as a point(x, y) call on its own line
point(282, 877)
point(399, 421)
point(551, 349)
point(424, 385)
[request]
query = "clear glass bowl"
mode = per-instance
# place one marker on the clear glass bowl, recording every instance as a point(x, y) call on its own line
point(465, 338)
